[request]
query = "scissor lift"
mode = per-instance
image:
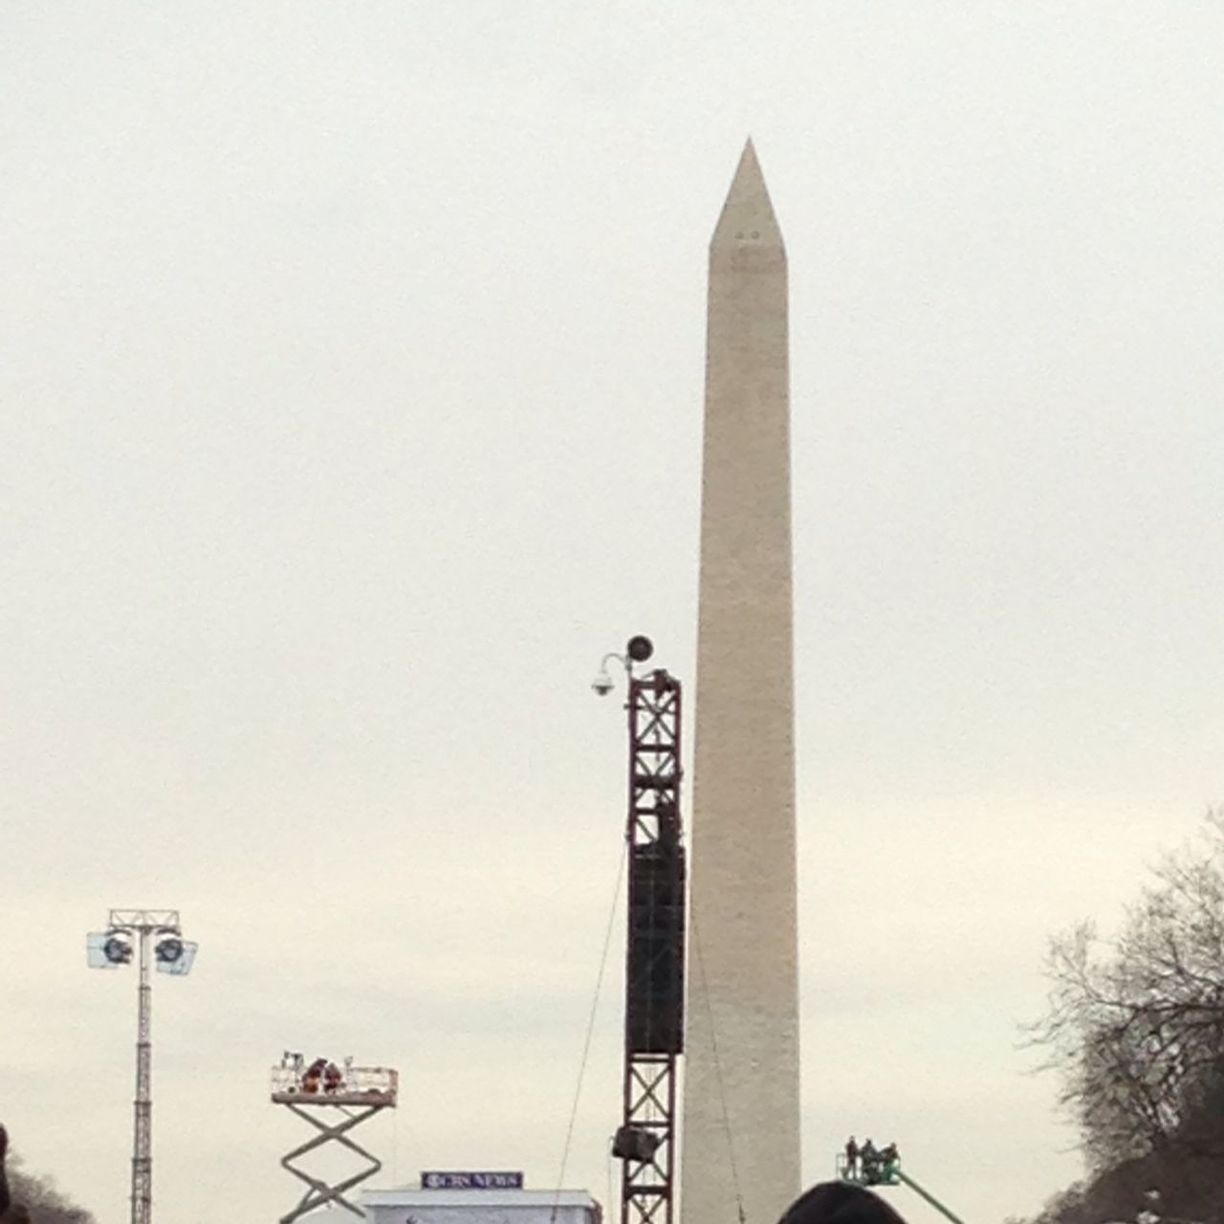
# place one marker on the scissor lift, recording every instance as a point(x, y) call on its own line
point(334, 1107)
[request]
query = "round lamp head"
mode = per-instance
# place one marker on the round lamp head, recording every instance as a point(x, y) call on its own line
point(640, 648)
point(170, 949)
point(117, 949)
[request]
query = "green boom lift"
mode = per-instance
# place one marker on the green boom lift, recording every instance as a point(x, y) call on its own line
point(881, 1172)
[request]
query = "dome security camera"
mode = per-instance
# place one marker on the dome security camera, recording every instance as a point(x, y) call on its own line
point(602, 684)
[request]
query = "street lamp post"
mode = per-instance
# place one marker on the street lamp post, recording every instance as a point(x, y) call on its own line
point(158, 938)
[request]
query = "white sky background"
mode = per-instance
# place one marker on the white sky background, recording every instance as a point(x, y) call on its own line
point(351, 368)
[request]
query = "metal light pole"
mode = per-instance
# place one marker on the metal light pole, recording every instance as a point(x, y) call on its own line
point(158, 938)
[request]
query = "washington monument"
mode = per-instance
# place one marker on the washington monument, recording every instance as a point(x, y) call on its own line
point(740, 1125)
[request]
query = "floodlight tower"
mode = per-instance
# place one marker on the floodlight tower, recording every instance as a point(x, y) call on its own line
point(159, 938)
point(645, 1142)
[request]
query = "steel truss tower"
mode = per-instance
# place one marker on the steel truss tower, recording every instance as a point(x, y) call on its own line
point(654, 977)
point(142, 1106)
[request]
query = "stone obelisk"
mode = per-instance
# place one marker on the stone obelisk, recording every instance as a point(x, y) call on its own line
point(740, 1124)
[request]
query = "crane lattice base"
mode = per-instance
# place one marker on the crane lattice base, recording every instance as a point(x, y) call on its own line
point(654, 968)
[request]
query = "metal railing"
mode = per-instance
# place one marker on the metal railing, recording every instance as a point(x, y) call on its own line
point(375, 1083)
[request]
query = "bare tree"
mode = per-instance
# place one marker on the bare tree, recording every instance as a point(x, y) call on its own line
point(29, 1199)
point(1135, 1025)
point(44, 1202)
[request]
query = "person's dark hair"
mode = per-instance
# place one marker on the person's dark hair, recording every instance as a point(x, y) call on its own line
point(839, 1203)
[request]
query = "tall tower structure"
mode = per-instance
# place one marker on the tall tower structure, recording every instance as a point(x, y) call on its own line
point(740, 1122)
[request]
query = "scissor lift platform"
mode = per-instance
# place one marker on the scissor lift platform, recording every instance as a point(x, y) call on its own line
point(354, 1097)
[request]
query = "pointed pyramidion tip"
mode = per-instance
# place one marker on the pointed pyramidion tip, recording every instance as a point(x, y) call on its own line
point(747, 217)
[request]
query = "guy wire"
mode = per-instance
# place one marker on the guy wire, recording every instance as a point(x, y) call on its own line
point(590, 1029)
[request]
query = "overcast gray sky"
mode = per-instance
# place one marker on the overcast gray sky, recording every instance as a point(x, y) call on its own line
point(351, 368)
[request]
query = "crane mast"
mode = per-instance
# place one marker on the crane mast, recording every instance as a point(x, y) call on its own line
point(654, 955)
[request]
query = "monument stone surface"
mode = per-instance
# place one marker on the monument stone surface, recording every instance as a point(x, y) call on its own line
point(740, 1122)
